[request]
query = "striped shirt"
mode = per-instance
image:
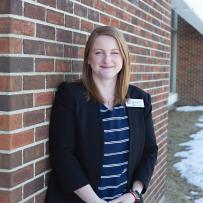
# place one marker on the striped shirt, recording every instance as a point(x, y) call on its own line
point(114, 172)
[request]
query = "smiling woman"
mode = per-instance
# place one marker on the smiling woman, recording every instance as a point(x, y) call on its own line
point(102, 143)
point(106, 62)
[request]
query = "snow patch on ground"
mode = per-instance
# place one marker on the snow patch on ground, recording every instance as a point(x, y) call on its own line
point(191, 164)
point(189, 108)
point(199, 200)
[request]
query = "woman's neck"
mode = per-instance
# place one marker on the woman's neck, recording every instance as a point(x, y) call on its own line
point(107, 91)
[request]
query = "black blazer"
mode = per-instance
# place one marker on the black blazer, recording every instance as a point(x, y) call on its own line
point(76, 142)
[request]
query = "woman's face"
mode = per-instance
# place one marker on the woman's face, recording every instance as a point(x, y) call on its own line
point(105, 58)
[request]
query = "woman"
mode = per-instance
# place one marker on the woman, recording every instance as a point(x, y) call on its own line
point(102, 142)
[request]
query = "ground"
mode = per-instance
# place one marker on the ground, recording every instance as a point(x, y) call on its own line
point(181, 125)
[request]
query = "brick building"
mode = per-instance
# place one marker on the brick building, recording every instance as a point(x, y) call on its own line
point(42, 44)
point(189, 64)
point(187, 54)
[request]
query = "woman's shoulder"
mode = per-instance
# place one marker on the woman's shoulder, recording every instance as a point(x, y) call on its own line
point(67, 90)
point(71, 86)
point(134, 90)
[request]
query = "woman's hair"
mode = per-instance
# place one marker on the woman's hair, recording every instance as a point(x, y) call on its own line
point(123, 76)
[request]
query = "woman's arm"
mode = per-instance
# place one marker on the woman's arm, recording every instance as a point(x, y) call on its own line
point(88, 195)
point(137, 186)
point(62, 133)
point(146, 166)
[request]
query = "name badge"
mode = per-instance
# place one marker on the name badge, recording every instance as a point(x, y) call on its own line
point(135, 103)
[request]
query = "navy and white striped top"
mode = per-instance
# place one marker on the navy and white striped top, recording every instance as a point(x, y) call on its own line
point(114, 172)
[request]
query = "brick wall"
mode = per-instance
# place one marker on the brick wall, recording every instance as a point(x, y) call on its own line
point(189, 64)
point(42, 44)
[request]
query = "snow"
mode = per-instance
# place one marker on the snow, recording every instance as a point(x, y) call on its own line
point(189, 108)
point(199, 200)
point(191, 164)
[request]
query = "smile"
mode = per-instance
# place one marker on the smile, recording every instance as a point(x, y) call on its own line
point(106, 66)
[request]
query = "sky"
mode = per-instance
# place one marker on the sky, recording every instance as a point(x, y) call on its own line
point(191, 163)
point(197, 6)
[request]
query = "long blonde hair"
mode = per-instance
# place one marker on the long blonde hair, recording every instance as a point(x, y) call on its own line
point(123, 76)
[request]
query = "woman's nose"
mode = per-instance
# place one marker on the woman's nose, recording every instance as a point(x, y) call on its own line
point(107, 58)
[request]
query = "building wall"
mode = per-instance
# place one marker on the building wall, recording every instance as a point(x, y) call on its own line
point(189, 64)
point(42, 44)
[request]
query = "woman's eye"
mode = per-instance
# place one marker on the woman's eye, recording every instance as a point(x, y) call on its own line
point(115, 53)
point(98, 52)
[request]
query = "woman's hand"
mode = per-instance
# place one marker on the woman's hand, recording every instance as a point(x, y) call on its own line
point(99, 201)
point(126, 198)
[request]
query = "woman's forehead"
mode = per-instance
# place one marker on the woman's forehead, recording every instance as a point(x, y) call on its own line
point(105, 41)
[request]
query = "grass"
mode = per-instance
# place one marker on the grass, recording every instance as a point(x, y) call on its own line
point(181, 126)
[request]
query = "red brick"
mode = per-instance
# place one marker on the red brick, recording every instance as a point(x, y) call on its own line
point(53, 80)
point(93, 15)
point(72, 22)
point(64, 36)
point(5, 25)
point(10, 83)
point(48, 113)
point(65, 5)
point(13, 141)
point(88, 2)
point(30, 200)
point(41, 166)
point(55, 17)
point(79, 38)
point(63, 66)
point(9, 161)
point(87, 26)
point(22, 27)
point(14, 178)
point(81, 52)
point(46, 32)
point(44, 98)
point(71, 51)
point(33, 186)
point(127, 17)
point(11, 196)
point(44, 65)
point(33, 11)
point(33, 82)
point(33, 47)
point(115, 22)
point(51, 3)
point(100, 5)
point(33, 153)
point(105, 19)
point(80, 10)
point(77, 66)
point(11, 7)
point(21, 175)
point(16, 64)
point(189, 65)
point(15, 102)
point(33, 117)
point(10, 45)
point(40, 198)
point(10, 122)
point(54, 49)
point(41, 132)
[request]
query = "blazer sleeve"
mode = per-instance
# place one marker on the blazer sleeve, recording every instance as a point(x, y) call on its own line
point(148, 160)
point(62, 132)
